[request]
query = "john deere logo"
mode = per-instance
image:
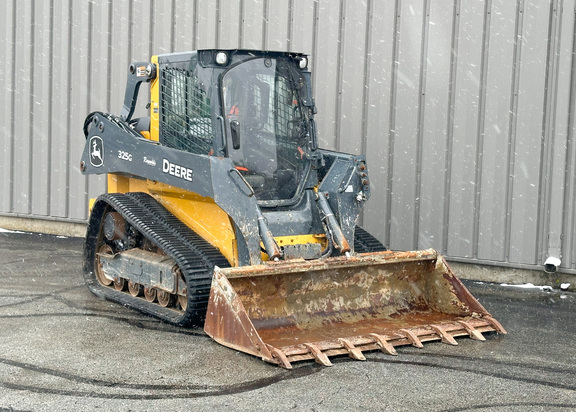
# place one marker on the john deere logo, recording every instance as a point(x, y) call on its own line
point(96, 149)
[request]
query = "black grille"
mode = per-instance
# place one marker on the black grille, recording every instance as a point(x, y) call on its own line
point(185, 122)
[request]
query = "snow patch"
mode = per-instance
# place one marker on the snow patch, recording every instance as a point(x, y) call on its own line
point(529, 286)
point(564, 286)
point(9, 231)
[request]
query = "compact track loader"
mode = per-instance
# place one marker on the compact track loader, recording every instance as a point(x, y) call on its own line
point(223, 211)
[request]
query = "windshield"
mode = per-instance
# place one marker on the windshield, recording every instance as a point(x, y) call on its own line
point(268, 126)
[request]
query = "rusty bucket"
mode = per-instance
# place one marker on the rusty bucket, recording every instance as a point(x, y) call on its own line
point(299, 310)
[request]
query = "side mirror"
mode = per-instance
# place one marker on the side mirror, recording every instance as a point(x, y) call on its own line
point(235, 130)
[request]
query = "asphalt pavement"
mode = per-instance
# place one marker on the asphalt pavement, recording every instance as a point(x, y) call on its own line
point(62, 348)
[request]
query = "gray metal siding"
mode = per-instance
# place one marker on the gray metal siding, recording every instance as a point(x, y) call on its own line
point(465, 109)
point(492, 233)
point(380, 109)
point(6, 71)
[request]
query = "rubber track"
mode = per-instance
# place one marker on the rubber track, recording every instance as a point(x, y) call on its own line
point(194, 256)
point(364, 242)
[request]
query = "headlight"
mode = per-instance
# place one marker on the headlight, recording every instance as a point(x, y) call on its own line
point(221, 58)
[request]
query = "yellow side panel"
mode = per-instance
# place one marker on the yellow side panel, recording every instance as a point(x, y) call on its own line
point(202, 215)
point(199, 213)
point(123, 184)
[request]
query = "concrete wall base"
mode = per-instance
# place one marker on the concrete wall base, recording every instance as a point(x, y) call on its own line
point(51, 227)
point(512, 276)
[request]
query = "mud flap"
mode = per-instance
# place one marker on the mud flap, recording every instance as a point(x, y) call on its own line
point(301, 310)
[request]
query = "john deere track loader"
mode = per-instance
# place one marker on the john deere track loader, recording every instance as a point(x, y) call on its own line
point(223, 211)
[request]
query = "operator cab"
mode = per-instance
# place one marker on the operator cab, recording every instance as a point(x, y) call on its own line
point(268, 125)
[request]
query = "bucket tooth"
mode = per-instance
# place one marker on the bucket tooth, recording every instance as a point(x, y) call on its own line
point(320, 356)
point(385, 346)
point(353, 351)
point(495, 324)
point(474, 334)
point(412, 338)
point(445, 336)
point(280, 356)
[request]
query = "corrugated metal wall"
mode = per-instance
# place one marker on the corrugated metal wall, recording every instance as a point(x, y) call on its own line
point(465, 108)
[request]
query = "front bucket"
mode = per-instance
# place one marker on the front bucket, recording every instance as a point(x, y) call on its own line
point(297, 310)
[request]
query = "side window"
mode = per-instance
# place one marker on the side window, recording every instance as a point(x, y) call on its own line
point(185, 120)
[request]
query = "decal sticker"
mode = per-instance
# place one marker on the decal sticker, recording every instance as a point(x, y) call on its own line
point(149, 162)
point(124, 155)
point(96, 150)
point(140, 71)
point(177, 170)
